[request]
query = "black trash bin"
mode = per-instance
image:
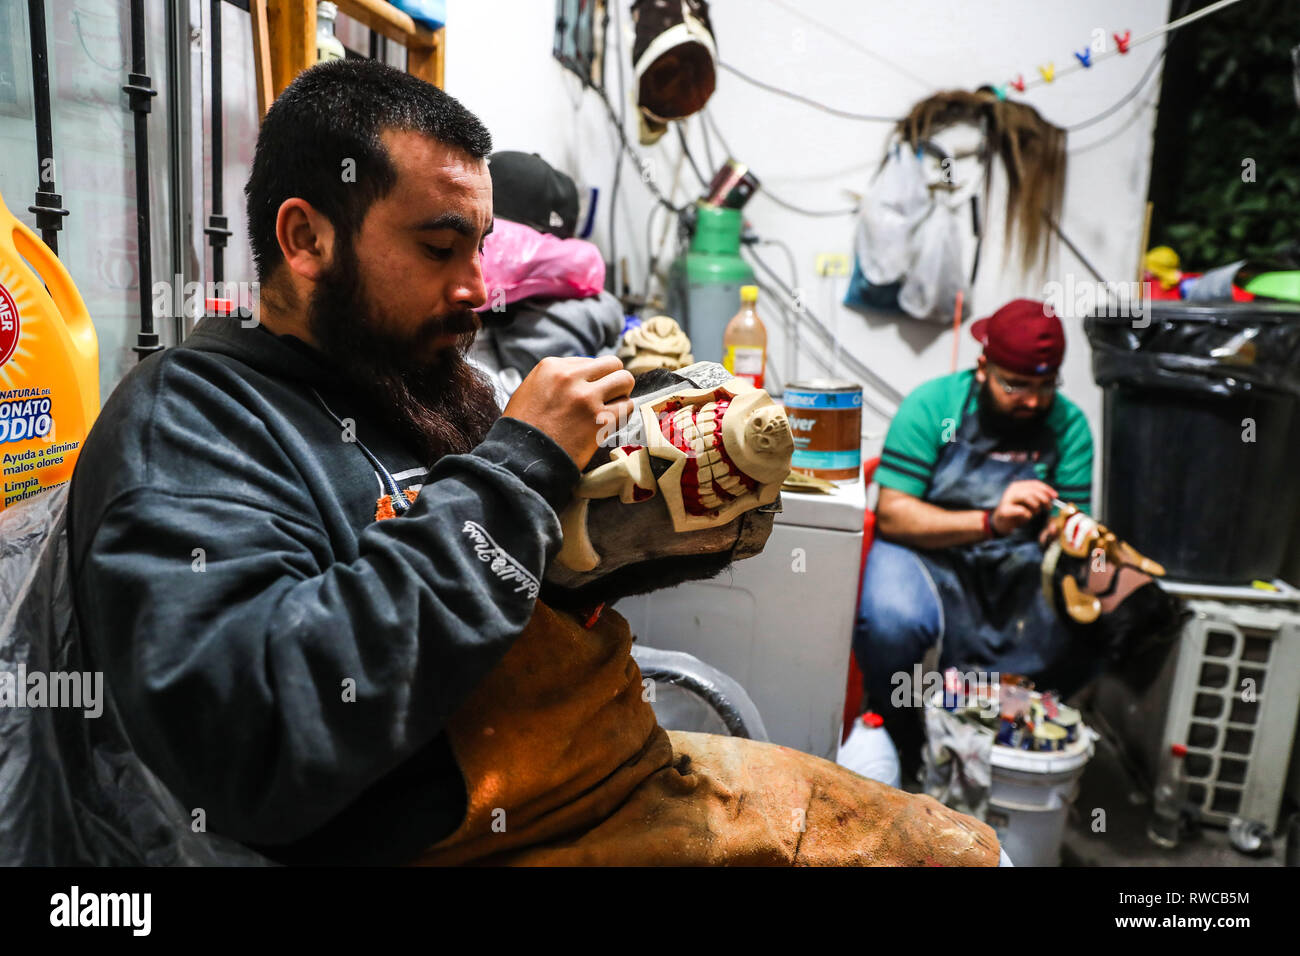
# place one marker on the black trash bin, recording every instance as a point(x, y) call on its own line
point(1201, 440)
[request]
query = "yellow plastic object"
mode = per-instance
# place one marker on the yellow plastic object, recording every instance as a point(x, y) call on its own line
point(1162, 262)
point(49, 365)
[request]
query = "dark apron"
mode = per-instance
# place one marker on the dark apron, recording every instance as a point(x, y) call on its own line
point(995, 616)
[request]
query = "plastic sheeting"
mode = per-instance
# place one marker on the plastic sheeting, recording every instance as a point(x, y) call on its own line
point(958, 762)
point(72, 791)
point(1223, 349)
point(520, 263)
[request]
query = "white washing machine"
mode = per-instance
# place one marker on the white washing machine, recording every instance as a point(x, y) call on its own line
point(780, 623)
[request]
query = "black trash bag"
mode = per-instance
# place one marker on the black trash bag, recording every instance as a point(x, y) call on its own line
point(1201, 446)
point(1224, 349)
point(72, 791)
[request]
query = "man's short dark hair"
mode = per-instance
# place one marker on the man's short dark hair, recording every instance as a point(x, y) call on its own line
point(320, 141)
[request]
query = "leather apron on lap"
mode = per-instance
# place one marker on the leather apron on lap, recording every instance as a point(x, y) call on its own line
point(565, 764)
point(993, 609)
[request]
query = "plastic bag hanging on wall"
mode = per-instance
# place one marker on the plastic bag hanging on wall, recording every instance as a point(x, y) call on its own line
point(930, 288)
point(907, 244)
point(895, 205)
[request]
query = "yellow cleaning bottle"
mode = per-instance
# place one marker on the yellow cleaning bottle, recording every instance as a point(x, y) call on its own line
point(49, 365)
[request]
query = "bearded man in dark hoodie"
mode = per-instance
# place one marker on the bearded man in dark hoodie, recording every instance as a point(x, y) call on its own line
point(282, 659)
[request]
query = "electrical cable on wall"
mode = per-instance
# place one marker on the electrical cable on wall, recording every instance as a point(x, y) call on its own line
point(839, 34)
point(708, 148)
point(618, 163)
point(1048, 72)
point(652, 252)
point(686, 151)
point(1146, 76)
point(1127, 98)
point(817, 213)
point(808, 101)
point(827, 339)
point(1136, 115)
point(636, 157)
point(789, 255)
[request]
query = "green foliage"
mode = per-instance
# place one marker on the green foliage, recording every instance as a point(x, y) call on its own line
point(1246, 110)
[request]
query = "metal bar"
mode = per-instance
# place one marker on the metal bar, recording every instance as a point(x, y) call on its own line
point(184, 76)
point(217, 229)
point(139, 96)
point(48, 205)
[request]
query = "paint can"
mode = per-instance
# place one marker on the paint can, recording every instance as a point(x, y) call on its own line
point(1011, 731)
point(1068, 718)
point(826, 420)
point(1049, 737)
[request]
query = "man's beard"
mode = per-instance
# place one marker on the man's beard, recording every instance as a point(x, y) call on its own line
point(442, 404)
point(1013, 427)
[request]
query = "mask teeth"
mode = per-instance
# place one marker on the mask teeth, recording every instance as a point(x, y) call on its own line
point(711, 478)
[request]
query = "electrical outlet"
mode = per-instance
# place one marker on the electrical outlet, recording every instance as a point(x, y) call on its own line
point(832, 264)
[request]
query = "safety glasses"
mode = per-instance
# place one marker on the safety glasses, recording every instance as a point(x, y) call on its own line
point(1024, 388)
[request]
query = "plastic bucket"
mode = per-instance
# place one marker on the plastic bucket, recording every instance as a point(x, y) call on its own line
point(1030, 797)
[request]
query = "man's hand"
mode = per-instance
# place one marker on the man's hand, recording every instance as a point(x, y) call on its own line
point(1051, 529)
point(1020, 502)
point(572, 399)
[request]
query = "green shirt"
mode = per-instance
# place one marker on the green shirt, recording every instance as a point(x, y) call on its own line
point(929, 417)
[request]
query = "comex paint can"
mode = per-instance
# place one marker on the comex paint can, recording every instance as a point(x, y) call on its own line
point(826, 419)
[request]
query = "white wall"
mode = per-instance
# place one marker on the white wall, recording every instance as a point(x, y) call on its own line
point(866, 56)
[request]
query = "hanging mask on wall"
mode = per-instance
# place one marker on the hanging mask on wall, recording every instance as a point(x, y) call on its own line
point(674, 59)
point(689, 484)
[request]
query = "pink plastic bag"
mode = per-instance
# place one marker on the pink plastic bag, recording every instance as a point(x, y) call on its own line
point(519, 262)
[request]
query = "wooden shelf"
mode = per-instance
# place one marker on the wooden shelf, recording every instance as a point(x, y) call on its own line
point(290, 40)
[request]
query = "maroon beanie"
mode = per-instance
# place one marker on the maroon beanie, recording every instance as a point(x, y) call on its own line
point(1022, 337)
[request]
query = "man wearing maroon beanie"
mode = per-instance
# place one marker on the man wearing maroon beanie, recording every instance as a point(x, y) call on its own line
point(970, 466)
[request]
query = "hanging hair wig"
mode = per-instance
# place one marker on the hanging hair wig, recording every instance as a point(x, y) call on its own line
point(1032, 151)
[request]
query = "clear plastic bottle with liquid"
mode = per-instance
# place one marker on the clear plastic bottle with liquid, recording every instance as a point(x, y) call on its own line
point(1166, 826)
point(744, 341)
point(328, 46)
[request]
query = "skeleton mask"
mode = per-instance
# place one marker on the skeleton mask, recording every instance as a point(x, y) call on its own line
point(689, 484)
point(656, 343)
point(1103, 589)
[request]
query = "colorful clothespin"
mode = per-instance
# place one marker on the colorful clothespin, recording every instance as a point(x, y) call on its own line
point(1084, 57)
point(1122, 41)
point(1048, 72)
point(1001, 91)
point(1019, 83)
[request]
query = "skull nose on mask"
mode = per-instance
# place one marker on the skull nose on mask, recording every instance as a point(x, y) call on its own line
point(763, 445)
